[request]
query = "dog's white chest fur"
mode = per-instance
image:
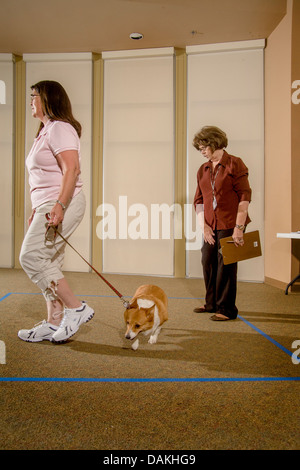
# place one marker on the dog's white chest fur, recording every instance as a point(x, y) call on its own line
point(155, 330)
point(144, 303)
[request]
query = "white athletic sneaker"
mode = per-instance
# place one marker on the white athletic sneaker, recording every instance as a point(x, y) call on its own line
point(71, 322)
point(40, 332)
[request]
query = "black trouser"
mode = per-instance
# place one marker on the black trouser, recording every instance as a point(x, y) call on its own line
point(220, 280)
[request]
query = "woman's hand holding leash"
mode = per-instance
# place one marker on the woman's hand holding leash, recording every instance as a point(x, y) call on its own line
point(56, 214)
point(50, 236)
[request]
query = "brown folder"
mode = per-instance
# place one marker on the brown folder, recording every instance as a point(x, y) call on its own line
point(250, 249)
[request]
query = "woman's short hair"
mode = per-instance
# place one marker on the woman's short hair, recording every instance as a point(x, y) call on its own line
point(56, 103)
point(210, 136)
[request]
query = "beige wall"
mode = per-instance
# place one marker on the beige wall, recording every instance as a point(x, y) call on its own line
point(63, 68)
point(6, 156)
point(235, 103)
point(138, 161)
point(279, 149)
point(295, 135)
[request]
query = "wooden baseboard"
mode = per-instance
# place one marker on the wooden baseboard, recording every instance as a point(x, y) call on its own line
point(275, 283)
point(282, 285)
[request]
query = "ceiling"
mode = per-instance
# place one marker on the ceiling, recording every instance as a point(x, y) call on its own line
point(28, 26)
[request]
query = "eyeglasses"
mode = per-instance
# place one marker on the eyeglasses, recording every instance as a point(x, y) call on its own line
point(33, 96)
point(50, 233)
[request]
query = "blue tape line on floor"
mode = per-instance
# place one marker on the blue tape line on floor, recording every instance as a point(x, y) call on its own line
point(5, 296)
point(147, 380)
point(267, 336)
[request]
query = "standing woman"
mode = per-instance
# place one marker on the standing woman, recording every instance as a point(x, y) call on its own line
point(53, 165)
point(221, 201)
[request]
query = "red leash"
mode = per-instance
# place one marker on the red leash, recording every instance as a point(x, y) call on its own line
point(125, 302)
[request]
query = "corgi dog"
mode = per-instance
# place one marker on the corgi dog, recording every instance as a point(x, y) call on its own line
point(148, 311)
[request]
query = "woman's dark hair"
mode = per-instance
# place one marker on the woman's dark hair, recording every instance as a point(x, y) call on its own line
point(210, 136)
point(56, 103)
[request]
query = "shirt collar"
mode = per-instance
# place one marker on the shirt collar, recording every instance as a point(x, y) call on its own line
point(45, 129)
point(222, 162)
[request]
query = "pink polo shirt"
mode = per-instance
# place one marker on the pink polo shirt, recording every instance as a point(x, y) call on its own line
point(45, 175)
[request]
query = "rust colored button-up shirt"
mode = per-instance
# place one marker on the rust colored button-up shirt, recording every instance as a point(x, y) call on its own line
point(231, 186)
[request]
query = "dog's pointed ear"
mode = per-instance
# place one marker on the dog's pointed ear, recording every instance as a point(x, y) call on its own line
point(134, 304)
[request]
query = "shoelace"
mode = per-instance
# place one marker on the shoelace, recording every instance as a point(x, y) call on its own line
point(43, 322)
point(38, 325)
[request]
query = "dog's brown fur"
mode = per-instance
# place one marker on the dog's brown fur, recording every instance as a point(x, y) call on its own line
point(140, 319)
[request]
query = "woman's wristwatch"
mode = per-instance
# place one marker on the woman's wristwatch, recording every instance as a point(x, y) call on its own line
point(240, 227)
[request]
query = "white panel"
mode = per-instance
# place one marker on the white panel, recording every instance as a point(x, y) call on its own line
point(138, 162)
point(156, 52)
point(225, 89)
point(6, 158)
point(74, 72)
point(62, 57)
point(227, 46)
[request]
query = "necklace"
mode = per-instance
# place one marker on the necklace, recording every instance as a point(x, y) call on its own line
point(213, 183)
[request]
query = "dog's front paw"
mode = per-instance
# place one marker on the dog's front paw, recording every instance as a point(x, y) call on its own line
point(135, 345)
point(152, 339)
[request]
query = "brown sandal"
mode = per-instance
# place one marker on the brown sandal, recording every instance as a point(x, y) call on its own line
point(201, 310)
point(217, 318)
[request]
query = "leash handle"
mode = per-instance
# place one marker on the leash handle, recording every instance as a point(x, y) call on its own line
point(125, 302)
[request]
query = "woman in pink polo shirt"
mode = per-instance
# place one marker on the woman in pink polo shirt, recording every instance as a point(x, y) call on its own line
point(53, 166)
point(221, 201)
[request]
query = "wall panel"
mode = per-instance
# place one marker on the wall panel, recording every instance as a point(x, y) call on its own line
point(225, 89)
point(6, 158)
point(138, 160)
point(74, 72)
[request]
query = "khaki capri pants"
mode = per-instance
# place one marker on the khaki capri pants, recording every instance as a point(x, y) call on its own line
point(43, 260)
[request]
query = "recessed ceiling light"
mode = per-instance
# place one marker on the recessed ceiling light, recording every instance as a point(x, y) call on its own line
point(136, 36)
